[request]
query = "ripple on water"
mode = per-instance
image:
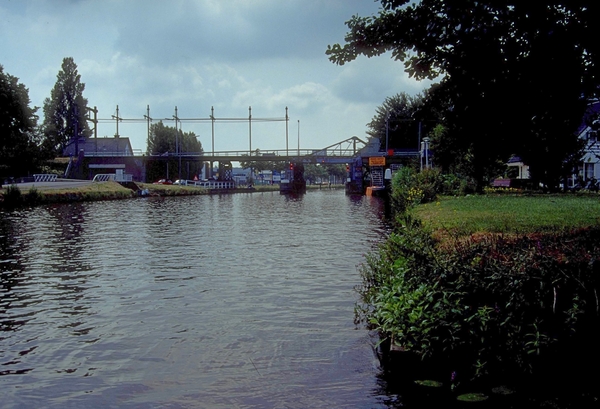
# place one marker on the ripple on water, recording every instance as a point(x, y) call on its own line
point(218, 301)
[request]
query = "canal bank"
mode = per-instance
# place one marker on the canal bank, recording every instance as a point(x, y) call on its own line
point(19, 195)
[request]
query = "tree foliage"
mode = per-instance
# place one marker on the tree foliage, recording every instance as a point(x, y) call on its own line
point(19, 142)
point(167, 139)
point(66, 108)
point(514, 76)
point(338, 171)
point(314, 172)
point(396, 122)
point(261, 165)
point(168, 142)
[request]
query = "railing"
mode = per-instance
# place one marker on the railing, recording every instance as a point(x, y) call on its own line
point(212, 184)
point(135, 152)
point(278, 154)
point(104, 177)
point(43, 177)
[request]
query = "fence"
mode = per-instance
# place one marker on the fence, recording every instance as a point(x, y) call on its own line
point(44, 177)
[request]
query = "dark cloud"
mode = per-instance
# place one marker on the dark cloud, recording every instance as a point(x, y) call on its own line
point(162, 32)
point(195, 54)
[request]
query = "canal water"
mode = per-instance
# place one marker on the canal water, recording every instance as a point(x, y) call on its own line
point(221, 301)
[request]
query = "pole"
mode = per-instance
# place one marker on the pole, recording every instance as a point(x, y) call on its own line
point(387, 131)
point(148, 120)
point(212, 119)
point(177, 141)
point(426, 140)
point(298, 139)
point(176, 134)
point(117, 119)
point(250, 128)
point(286, 131)
point(76, 123)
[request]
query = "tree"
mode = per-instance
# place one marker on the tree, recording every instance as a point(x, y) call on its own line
point(65, 110)
point(171, 142)
point(338, 171)
point(314, 172)
point(261, 165)
point(19, 142)
point(396, 122)
point(515, 76)
point(165, 139)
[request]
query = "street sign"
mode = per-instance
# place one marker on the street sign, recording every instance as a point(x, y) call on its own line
point(377, 161)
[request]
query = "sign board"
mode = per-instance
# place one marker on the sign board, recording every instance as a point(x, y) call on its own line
point(377, 161)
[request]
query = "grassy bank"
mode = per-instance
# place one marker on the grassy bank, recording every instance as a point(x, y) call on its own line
point(514, 214)
point(15, 196)
point(489, 290)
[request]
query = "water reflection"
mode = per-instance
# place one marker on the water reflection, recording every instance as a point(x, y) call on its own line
point(239, 300)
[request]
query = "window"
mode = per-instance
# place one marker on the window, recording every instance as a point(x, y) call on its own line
point(589, 171)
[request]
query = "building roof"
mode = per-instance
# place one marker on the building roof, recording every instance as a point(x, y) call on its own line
point(592, 112)
point(112, 146)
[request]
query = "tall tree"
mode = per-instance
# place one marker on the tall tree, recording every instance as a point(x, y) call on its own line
point(65, 110)
point(171, 142)
point(516, 75)
point(396, 122)
point(165, 139)
point(19, 142)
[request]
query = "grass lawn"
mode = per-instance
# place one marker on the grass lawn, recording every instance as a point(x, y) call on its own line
point(510, 213)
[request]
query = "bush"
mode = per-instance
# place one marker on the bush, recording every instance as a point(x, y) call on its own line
point(410, 187)
point(486, 307)
point(13, 197)
point(34, 197)
point(490, 306)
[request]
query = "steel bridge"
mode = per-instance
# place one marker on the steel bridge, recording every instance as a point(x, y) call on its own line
point(338, 153)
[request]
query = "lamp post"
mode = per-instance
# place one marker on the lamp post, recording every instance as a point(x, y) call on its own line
point(298, 139)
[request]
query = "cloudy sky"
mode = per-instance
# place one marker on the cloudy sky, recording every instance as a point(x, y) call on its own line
point(198, 54)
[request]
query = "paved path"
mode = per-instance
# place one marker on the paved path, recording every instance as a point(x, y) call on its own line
point(59, 184)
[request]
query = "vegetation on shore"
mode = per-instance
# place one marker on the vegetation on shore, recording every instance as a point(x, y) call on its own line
point(489, 289)
point(12, 196)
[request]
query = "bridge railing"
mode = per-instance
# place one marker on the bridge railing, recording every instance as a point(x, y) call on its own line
point(275, 154)
point(304, 155)
point(135, 152)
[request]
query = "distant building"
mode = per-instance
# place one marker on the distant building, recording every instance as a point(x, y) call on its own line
point(522, 170)
point(99, 147)
point(588, 168)
point(101, 156)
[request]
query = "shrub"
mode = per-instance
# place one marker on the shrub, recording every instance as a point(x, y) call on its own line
point(410, 187)
point(490, 305)
point(34, 197)
point(455, 185)
point(13, 197)
point(512, 306)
